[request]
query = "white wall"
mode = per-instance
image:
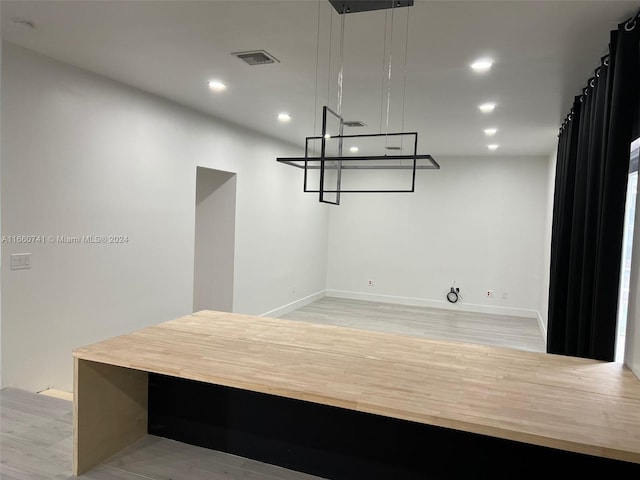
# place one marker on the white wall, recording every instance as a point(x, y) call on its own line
point(85, 155)
point(546, 253)
point(477, 221)
point(1, 246)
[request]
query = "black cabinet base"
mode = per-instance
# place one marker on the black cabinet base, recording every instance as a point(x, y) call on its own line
point(343, 444)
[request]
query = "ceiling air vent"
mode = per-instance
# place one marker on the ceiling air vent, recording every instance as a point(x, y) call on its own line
point(256, 57)
point(354, 123)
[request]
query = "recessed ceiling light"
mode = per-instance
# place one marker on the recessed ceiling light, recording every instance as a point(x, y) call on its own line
point(217, 86)
point(490, 132)
point(354, 149)
point(284, 117)
point(487, 107)
point(326, 135)
point(482, 65)
point(493, 146)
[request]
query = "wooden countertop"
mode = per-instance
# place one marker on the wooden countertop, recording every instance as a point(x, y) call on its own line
point(567, 403)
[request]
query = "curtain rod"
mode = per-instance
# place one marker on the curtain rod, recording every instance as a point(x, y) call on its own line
point(631, 23)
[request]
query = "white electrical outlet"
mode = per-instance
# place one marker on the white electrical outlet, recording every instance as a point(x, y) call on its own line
point(491, 293)
point(370, 283)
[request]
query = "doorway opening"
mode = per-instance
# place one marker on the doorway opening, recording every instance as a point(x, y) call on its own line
point(214, 240)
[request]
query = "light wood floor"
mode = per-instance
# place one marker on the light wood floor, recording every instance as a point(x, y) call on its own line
point(36, 444)
point(441, 324)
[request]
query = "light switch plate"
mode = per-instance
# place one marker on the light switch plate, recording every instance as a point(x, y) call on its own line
point(20, 261)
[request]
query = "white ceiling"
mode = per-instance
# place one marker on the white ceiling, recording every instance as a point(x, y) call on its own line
point(544, 53)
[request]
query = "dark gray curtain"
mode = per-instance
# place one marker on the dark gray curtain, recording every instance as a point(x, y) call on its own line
point(589, 201)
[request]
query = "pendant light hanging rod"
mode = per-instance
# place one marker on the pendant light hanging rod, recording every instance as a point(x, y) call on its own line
point(315, 95)
point(341, 70)
point(329, 58)
point(384, 65)
point(393, 8)
point(404, 87)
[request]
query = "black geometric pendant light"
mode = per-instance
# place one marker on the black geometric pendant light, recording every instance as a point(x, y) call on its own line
point(332, 153)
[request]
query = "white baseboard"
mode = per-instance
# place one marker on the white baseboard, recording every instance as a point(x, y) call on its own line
point(543, 327)
point(61, 394)
point(290, 307)
point(420, 302)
